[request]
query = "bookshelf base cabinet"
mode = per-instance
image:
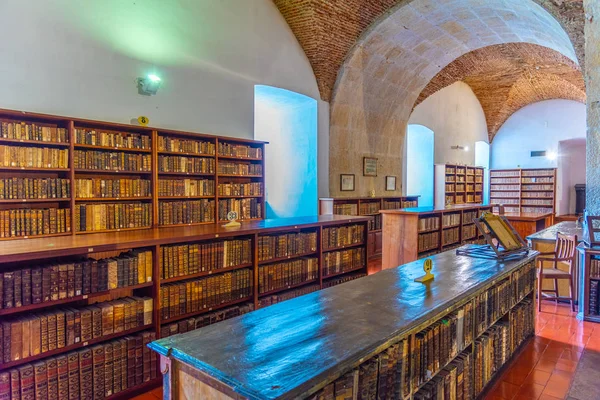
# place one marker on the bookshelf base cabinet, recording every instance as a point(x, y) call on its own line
point(382, 336)
point(88, 305)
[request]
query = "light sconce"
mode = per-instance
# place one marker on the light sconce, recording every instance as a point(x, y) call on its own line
point(551, 155)
point(149, 85)
point(458, 147)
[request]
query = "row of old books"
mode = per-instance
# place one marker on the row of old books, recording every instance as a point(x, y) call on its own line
point(504, 194)
point(453, 382)
point(594, 301)
point(537, 202)
point(126, 140)
point(111, 216)
point(369, 207)
point(190, 165)
point(383, 377)
point(429, 223)
point(375, 222)
point(95, 372)
point(501, 173)
point(233, 168)
point(29, 131)
point(286, 245)
point(34, 188)
point(33, 157)
point(285, 274)
point(539, 187)
point(460, 187)
point(537, 172)
point(391, 204)
point(338, 236)
point(187, 259)
point(505, 181)
point(469, 216)
point(65, 280)
point(449, 187)
point(186, 212)
point(345, 209)
point(428, 241)
point(505, 188)
point(178, 145)
point(201, 321)
point(269, 300)
point(337, 262)
point(239, 150)
point(245, 208)
point(522, 323)
point(338, 280)
point(441, 342)
point(536, 194)
point(112, 161)
point(451, 219)
point(205, 293)
point(470, 188)
point(492, 350)
point(537, 180)
point(39, 333)
point(523, 281)
point(492, 304)
point(451, 236)
point(186, 187)
point(409, 204)
point(469, 232)
point(112, 188)
point(34, 221)
point(536, 210)
point(241, 189)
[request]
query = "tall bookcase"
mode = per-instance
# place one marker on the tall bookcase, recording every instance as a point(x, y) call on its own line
point(458, 184)
point(186, 277)
point(589, 303)
point(368, 206)
point(65, 176)
point(531, 190)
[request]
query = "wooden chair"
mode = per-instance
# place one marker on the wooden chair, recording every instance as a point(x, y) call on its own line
point(565, 251)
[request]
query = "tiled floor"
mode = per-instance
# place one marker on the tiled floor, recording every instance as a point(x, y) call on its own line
point(544, 369)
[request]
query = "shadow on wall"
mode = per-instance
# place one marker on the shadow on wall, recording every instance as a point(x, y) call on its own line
point(288, 121)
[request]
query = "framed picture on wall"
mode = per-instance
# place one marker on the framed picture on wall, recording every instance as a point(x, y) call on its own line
point(390, 183)
point(347, 182)
point(369, 166)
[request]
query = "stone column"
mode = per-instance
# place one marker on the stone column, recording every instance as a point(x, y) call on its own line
point(592, 79)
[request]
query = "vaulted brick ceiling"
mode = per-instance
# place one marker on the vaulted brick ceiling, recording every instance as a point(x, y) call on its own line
point(329, 29)
point(507, 77)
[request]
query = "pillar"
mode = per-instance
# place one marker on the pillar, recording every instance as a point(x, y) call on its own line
point(592, 78)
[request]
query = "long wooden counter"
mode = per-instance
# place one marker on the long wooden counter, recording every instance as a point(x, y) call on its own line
point(295, 348)
point(529, 223)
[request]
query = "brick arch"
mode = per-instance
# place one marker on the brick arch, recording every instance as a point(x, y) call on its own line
point(394, 61)
point(507, 77)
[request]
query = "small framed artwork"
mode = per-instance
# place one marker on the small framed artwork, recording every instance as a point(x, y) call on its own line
point(390, 183)
point(347, 182)
point(369, 166)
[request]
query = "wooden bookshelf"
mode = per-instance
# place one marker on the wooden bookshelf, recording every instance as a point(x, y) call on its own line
point(589, 286)
point(525, 190)
point(348, 233)
point(414, 233)
point(445, 329)
point(367, 206)
point(157, 177)
point(457, 184)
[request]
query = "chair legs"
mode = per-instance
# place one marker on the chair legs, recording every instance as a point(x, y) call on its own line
point(539, 291)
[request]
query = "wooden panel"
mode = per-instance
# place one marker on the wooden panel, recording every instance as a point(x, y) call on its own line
point(399, 239)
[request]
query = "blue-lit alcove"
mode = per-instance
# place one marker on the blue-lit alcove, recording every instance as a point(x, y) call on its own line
point(482, 159)
point(288, 121)
point(419, 163)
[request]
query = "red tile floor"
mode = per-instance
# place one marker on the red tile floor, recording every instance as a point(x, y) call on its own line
point(545, 367)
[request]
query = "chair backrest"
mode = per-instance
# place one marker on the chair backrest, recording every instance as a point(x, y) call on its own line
point(566, 248)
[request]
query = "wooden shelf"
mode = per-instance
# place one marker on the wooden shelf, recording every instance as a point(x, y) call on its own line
point(348, 246)
point(35, 142)
point(278, 259)
point(343, 272)
point(239, 176)
point(205, 273)
point(74, 346)
point(430, 230)
point(185, 197)
point(84, 199)
point(204, 311)
point(177, 153)
point(22, 201)
point(48, 235)
point(111, 148)
point(33, 169)
point(113, 230)
point(239, 158)
point(283, 289)
point(110, 171)
point(451, 226)
point(190, 224)
point(240, 197)
point(37, 306)
point(160, 173)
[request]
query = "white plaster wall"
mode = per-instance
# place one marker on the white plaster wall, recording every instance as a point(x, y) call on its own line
point(571, 167)
point(81, 59)
point(455, 116)
point(538, 126)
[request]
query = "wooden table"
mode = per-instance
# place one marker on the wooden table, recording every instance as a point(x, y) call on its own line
point(545, 240)
point(529, 223)
point(292, 349)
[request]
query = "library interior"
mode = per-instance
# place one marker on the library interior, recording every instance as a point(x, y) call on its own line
point(300, 199)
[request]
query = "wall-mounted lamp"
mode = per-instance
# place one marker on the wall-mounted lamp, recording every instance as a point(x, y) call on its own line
point(551, 155)
point(149, 85)
point(458, 147)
